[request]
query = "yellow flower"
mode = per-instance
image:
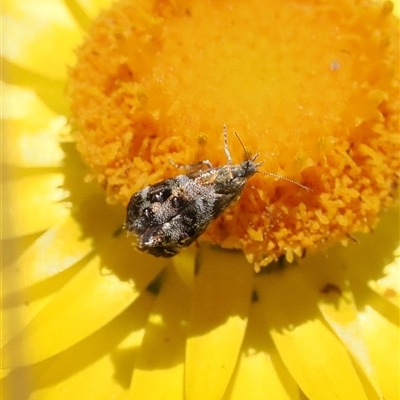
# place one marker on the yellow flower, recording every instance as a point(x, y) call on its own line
point(156, 81)
point(86, 316)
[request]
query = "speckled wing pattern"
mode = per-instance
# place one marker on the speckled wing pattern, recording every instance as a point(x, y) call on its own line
point(172, 214)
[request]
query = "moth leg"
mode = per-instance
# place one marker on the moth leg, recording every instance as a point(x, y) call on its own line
point(226, 149)
point(193, 167)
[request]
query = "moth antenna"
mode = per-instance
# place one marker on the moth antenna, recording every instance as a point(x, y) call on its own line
point(226, 149)
point(244, 148)
point(285, 179)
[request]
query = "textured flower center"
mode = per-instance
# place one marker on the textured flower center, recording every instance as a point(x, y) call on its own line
point(312, 88)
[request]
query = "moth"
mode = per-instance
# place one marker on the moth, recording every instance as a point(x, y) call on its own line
point(173, 213)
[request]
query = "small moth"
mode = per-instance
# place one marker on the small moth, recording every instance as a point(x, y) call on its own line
point(173, 213)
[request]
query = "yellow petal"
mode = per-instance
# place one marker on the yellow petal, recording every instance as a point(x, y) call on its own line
point(367, 259)
point(93, 7)
point(382, 336)
point(388, 286)
point(89, 301)
point(56, 250)
point(312, 353)
point(183, 262)
point(20, 307)
point(260, 370)
point(159, 371)
point(85, 370)
point(50, 91)
point(33, 204)
point(324, 275)
point(341, 315)
point(68, 242)
point(78, 13)
point(41, 36)
point(222, 296)
point(31, 132)
point(396, 10)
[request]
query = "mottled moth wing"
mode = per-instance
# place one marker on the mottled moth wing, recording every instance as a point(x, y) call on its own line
point(173, 213)
point(154, 206)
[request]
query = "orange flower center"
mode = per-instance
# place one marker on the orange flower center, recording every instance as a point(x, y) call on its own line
point(313, 88)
